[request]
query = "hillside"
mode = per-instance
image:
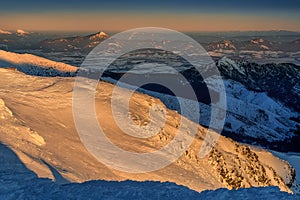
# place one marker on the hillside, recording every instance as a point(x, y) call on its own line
point(34, 65)
point(13, 173)
point(37, 124)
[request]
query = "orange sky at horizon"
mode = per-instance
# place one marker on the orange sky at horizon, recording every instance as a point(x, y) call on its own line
point(124, 21)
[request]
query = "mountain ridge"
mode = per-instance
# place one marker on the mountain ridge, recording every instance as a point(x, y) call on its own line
point(53, 97)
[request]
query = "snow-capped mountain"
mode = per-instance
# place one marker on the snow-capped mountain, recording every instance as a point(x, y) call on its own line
point(259, 47)
point(262, 100)
point(280, 81)
point(99, 35)
point(257, 44)
point(252, 117)
point(19, 39)
point(21, 32)
point(54, 42)
point(78, 43)
point(265, 98)
point(254, 44)
point(37, 123)
point(221, 45)
point(5, 32)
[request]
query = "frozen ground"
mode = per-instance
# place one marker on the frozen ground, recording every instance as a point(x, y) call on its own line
point(18, 182)
point(294, 160)
point(36, 121)
point(37, 125)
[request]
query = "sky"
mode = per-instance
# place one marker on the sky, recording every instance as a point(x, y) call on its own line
point(181, 15)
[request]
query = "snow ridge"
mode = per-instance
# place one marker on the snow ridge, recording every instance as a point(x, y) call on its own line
point(34, 65)
point(17, 182)
point(5, 32)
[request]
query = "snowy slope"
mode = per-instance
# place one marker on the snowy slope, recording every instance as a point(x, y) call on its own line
point(252, 117)
point(256, 115)
point(17, 182)
point(34, 65)
point(262, 100)
point(41, 109)
point(294, 160)
point(279, 81)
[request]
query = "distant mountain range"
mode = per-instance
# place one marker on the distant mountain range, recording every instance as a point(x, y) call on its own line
point(37, 121)
point(18, 32)
point(78, 43)
point(256, 44)
point(22, 40)
point(236, 41)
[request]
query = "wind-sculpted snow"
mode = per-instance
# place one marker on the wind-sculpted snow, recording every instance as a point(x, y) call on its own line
point(267, 193)
point(34, 65)
point(12, 126)
point(262, 100)
point(252, 117)
point(42, 106)
point(17, 182)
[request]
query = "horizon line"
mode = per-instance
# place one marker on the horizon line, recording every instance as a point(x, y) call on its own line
point(186, 31)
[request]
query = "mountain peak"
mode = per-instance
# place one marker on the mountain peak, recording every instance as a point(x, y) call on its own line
point(99, 35)
point(226, 61)
point(231, 65)
point(21, 32)
point(5, 32)
point(258, 41)
point(225, 44)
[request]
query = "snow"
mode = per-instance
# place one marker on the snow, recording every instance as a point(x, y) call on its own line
point(263, 56)
point(254, 41)
point(34, 65)
point(5, 112)
point(17, 182)
point(5, 32)
point(257, 41)
point(251, 193)
point(43, 106)
point(294, 160)
point(271, 118)
point(37, 124)
point(264, 47)
point(231, 64)
point(99, 35)
point(244, 108)
point(21, 32)
point(149, 68)
point(7, 116)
